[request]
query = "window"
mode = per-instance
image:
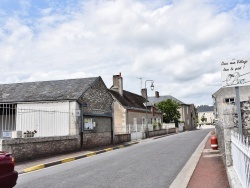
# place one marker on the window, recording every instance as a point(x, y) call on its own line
point(153, 120)
point(143, 121)
point(229, 100)
point(135, 121)
point(88, 123)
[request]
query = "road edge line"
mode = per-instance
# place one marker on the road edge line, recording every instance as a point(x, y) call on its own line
point(183, 178)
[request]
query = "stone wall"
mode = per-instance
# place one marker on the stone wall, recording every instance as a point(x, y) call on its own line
point(32, 148)
point(161, 132)
point(228, 122)
point(98, 99)
point(245, 115)
point(91, 139)
point(121, 138)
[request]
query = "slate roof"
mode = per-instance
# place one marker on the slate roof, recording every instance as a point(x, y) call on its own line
point(154, 100)
point(70, 89)
point(129, 100)
point(205, 108)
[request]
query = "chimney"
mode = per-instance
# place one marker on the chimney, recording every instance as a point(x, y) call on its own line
point(157, 94)
point(118, 84)
point(144, 93)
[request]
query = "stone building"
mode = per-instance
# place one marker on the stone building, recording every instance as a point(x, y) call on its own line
point(187, 111)
point(67, 114)
point(129, 109)
point(225, 97)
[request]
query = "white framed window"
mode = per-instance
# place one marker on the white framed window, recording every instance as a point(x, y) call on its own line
point(135, 121)
point(88, 124)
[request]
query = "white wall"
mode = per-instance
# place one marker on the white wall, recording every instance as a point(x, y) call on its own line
point(49, 119)
point(208, 115)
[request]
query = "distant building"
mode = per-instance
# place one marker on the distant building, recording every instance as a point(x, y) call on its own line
point(207, 112)
point(187, 111)
point(129, 109)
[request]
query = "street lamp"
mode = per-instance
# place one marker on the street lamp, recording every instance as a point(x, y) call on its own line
point(152, 88)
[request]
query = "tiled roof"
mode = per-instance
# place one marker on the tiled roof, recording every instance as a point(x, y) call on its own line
point(45, 90)
point(129, 99)
point(154, 100)
point(205, 108)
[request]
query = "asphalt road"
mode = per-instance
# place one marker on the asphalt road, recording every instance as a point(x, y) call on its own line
point(152, 163)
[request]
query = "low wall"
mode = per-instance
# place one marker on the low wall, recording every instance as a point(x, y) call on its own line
point(32, 148)
point(93, 139)
point(120, 138)
point(161, 132)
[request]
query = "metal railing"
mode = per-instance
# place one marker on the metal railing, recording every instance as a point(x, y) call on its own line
point(17, 122)
point(241, 157)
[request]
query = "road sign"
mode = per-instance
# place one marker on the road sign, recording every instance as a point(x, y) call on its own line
point(235, 72)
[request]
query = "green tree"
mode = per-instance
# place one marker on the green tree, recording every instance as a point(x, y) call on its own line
point(203, 118)
point(169, 108)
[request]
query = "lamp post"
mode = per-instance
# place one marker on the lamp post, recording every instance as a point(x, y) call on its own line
point(152, 88)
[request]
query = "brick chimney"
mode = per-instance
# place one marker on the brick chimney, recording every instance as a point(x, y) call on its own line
point(144, 93)
point(118, 84)
point(157, 94)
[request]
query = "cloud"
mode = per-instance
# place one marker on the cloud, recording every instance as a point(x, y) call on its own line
point(178, 44)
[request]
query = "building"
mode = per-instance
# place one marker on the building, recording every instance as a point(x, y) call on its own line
point(225, 97)
point(130, 113)
point(207, 112)
point(187, 111)
point(58, 108)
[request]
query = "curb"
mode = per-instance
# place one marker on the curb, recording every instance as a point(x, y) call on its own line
point(185, 174)
point(66, 160)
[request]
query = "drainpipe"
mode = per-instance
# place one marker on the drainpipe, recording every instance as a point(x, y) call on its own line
point(82, 105)
point(112, 124)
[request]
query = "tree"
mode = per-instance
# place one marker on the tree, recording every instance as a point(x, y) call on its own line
point(169, 108)
point(203, 118)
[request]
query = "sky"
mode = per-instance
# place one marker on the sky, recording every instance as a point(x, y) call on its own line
point(179, 44)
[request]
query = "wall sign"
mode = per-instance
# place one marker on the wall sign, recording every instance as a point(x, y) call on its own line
point(7, 134)
point(235, 72)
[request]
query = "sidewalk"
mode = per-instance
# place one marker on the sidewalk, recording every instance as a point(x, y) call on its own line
point(210, 171)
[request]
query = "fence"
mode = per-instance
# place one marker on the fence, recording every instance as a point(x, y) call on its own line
point(132, 128)
point(241, 157)
point(15, 122)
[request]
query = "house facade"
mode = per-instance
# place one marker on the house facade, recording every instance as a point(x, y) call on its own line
point(224, 98)
point(187, 111)
point(75, 113)
point(207, 112)
point(130, 113)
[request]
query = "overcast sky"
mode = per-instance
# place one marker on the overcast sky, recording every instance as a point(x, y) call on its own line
point(179, 44)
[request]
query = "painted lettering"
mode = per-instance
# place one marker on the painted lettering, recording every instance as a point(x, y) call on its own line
point(238, 68)
point(223, 63)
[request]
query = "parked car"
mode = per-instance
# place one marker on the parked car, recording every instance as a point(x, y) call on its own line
point(8, 176)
